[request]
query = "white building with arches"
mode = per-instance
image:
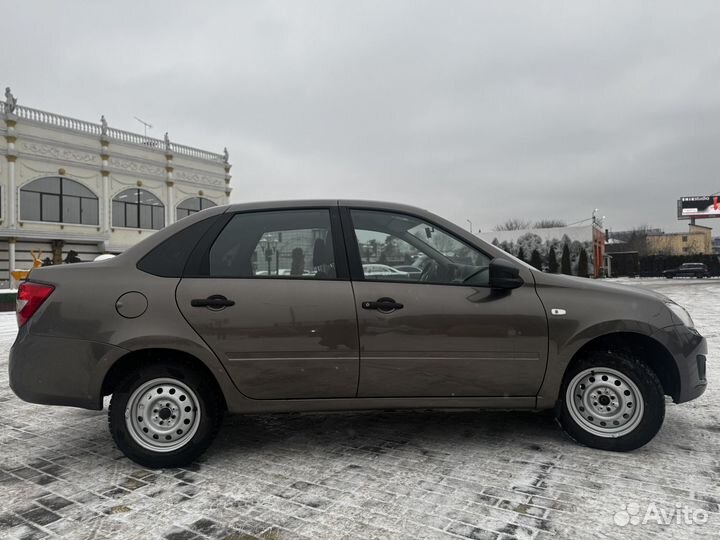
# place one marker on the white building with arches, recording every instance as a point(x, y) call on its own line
point(67, 185)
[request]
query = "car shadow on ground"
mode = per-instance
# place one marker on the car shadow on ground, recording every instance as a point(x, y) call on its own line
point(383, 431)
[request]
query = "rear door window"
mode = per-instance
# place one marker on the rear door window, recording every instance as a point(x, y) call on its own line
point(287, 244)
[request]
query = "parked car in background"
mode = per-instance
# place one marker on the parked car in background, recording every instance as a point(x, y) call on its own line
point(375, 271)
point(180, 328)
point(696, 270)
point(288, 272)
point(413, 272)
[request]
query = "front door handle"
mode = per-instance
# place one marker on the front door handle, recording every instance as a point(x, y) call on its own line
point(216, 301)
point(385, 305)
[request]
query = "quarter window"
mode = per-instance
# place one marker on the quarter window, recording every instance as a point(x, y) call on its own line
point(279, 244)
point(58, 200)
point(137, 209)
point(192, 206)
point(387, 241)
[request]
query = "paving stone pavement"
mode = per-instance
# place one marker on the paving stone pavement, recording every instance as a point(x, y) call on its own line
point(378, 475)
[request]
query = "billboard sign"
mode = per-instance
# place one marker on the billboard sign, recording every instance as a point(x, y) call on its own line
point(703, 206)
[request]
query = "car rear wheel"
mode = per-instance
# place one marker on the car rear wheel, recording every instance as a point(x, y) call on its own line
point(612, 401)
point(164, 415)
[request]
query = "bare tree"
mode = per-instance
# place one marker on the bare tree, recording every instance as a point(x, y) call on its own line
point(549, 223)
point(693, 249)
point(442, 242)
point(513, 224)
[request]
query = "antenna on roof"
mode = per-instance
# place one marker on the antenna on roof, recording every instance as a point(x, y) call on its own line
point(144, 123)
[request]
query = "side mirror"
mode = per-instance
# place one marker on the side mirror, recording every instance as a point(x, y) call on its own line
point(504, 275)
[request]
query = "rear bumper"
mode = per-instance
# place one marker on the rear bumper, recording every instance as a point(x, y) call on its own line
point(691, 358)
point(60, 371)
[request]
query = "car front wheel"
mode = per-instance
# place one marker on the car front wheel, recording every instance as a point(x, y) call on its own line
point(164, 415)
point(611, 401)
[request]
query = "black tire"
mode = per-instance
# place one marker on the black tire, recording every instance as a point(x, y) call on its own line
point(644, 379)
point(206, 420)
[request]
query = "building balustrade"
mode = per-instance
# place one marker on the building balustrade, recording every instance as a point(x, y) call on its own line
point(81, 126)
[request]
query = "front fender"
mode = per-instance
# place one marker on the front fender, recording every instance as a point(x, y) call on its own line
point(580, 310)
point(565, 342)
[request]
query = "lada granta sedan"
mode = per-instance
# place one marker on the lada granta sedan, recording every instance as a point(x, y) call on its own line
point(265, 307)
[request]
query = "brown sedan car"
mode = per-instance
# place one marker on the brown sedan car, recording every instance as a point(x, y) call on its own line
point(265, 307)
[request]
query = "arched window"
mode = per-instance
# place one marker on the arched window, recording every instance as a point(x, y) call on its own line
point(138, 209)
point(60, 200)
point(192, 206)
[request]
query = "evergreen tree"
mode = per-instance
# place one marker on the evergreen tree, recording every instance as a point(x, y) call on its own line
point(565, 267)
point(521, 254)
point(297, 266)
point(536, 259)
point(552, 261)
point(583, 263)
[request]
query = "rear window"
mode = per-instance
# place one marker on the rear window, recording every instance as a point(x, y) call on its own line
point(169, 258)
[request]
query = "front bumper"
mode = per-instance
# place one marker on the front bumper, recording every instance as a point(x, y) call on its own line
point(60, 371)
point(690, 357)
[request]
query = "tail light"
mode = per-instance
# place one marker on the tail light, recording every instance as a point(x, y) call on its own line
point(30, 297)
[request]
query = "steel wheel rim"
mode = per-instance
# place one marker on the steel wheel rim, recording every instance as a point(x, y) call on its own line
point(162, 415)
point(604, 402)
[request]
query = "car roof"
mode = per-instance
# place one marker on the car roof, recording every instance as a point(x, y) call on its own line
point(311, 203)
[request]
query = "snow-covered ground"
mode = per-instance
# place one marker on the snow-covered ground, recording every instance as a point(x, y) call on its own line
point(413, 475)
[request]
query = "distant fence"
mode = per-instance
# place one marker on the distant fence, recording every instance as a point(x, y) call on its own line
point(630, 264)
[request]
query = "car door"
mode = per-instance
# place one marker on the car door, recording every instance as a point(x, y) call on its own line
point(439, 337)
point(270, 295)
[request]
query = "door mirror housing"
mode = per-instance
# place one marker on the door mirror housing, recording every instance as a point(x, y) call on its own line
point(504, 275)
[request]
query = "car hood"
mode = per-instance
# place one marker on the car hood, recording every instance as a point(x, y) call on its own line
point(601, 286)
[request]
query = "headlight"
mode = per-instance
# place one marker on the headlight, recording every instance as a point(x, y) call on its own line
point(682, 315)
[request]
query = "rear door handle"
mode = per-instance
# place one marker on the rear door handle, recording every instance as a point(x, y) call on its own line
point(385, 305)
point(216, 301)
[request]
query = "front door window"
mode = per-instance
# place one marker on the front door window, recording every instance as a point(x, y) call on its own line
point(403, 248)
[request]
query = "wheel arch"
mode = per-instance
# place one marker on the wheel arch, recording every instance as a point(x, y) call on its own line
point(644, 347)
point(143, 357)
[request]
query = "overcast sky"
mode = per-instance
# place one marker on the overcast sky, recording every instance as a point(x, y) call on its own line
point(474, 110)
